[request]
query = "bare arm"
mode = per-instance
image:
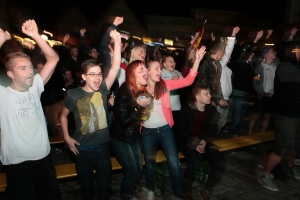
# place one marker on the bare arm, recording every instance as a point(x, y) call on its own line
point(64, 126)
point(116, 62)
point(30, 28)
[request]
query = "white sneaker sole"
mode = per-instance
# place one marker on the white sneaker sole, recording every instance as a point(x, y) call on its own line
point(262, 183)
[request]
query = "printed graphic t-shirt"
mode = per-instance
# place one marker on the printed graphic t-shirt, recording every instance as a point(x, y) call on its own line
point(89, 109)
point(22, 124)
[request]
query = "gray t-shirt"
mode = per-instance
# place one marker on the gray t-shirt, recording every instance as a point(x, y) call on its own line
point(89, 109)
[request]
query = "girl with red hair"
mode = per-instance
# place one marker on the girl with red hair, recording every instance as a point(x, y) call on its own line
point(129, 110)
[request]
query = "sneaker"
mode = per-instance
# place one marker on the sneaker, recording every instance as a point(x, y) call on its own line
point(297, 162)
point(296, 173)
point(268, 183)
point(204, 195)
point(150, 195)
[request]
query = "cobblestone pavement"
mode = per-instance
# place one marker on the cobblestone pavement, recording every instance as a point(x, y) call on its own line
point(237, 183)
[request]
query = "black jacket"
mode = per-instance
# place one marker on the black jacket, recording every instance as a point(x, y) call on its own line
point(127, 117)
point(210, 74)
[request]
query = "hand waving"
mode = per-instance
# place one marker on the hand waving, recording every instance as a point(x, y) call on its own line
point(200, 53)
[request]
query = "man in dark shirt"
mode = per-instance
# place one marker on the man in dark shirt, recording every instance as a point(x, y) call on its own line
point(286, 113)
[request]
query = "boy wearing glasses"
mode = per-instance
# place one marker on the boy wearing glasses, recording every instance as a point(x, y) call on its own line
point(91, 138)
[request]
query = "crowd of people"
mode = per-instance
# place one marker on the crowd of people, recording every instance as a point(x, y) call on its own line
point(114, 99)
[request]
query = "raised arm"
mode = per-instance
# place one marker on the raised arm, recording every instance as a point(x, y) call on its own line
point(190, 78)
point(30, 28)
point(229, 47)
point(106, 36)
point(116, 62)
point(199, 56)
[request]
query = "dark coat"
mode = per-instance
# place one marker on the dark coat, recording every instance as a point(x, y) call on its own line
point(127, 117)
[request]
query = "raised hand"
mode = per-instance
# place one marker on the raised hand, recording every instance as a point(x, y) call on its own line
point(293, 32)
point(200, 53)
point(66, 38)
point(7, 35)
point(213, 38)
point(118, 21)
point(270, 31)
point(30, 28)
point(115, 35)
point(82, 31)
point(259, 34)
point(235, 30)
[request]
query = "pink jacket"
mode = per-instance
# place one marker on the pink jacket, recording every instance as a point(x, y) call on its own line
point(172, 85)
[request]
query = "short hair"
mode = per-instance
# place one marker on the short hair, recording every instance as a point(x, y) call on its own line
point(86, 65)
point(9, 59)
point(73, 47)
point(215, 46)
point(196, 89)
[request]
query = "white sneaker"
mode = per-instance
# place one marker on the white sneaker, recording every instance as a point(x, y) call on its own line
point(150, 195)
point(296, 173)
point(268, 183)
point(297, 162)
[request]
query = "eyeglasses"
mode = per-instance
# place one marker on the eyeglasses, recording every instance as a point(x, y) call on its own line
point(95, 75)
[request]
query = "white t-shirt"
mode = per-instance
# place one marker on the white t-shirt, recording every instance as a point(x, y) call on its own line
point(22, 124)
point(269, 76)
point(157, 118)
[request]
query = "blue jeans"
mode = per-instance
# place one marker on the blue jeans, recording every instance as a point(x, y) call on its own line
point(97, 158)
point(240, 105)
point(164, 136)
point(130, 158)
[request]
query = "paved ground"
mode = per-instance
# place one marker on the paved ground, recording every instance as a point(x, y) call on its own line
point(238, 182)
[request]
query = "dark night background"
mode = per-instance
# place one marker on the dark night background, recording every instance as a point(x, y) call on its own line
point(271, 11)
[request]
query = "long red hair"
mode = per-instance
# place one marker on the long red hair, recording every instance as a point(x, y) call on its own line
point(130, 81)
point(160, 87)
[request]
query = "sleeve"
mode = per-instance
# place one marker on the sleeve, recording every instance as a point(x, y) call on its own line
point(38, 84)
point(228, 52)
point(184, 82)
point(69, 102)
point(106, 38)
point(203, 76)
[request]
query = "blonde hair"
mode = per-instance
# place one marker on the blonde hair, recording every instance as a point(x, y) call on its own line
point(134, 51)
